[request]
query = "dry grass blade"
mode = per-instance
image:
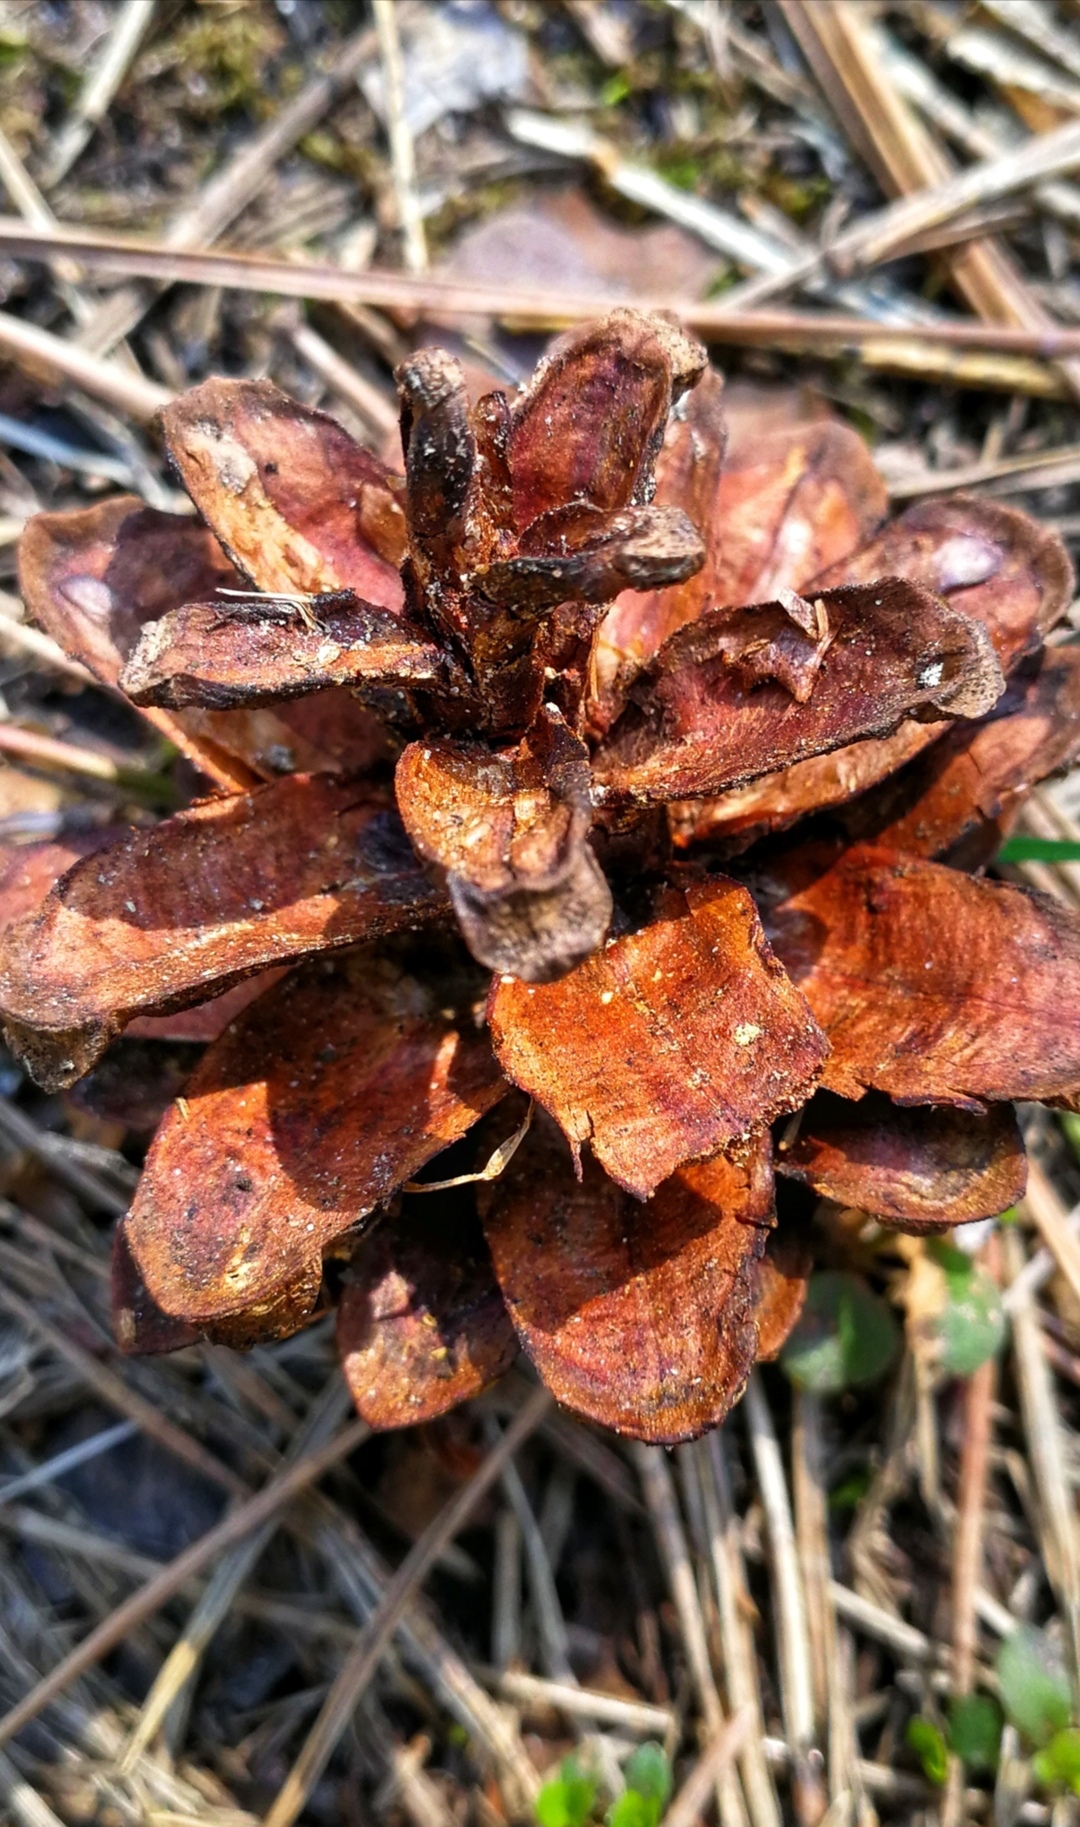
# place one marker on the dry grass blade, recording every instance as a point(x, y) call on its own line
point(119, 1394)
point(180, 1666)
point(1059, 1542)
point(659, 1487)
point(358, 1668)
point(26, 1806)
point(793, 1641)
point(1051, 1221)
point(402, 155)
point(103, 80)
point(580, 1703)
point(453, 301)
point(733, 1599)
point(38, 350)
point(709, 1770)
point(842, 48)
point(149, 1598)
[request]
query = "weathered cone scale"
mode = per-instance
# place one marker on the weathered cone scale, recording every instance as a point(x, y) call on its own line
point(510, 1015)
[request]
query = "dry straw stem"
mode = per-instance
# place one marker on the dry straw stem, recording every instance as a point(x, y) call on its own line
point(119, 1395)
point(402, 154)
point(44, 354)
point(1046, 1446)
point(232, 188)
point(453, 301)
point(724, 1532)
point(26, 1806)
point(1051, 1219)
point(550, 1623)
point(55, 1153)
point(659, 1488)
point(356, 1671)
point(102, 82)
point(633, 1716)
point(841, 45)
point(968, 1553)
point(180, 1667)
point(710, 1769)
point(793, 1640)
point(157, 1592)
point(829, 1651)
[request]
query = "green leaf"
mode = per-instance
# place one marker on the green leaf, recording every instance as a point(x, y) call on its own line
point(846, 1336)
point(569, 1799)
point(1070, 1128)
point(634, 1810)
point(971, 1326)
point(1059, 1761)
point(930, 1748)
point(975, 1730)
point(615, 89)
point(648, 1771)
point(1035, 1688)
point(1025, 849)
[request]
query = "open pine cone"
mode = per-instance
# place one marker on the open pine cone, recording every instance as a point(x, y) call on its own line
point(552, 707)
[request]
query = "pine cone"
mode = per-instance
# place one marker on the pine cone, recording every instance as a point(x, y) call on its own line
point(580, 766)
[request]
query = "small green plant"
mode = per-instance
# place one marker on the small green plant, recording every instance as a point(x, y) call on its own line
point(1058, 1763)
point(970, 1327)
point(571, 1799)
point(648, 1785)
point(1035, 1688)
point(928, 1743)
point(975, 1730)
point(846, 1336)
point(973, 1733)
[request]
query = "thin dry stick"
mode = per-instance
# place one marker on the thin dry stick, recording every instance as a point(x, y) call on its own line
point(118, 1394)
point(675, 1550)
point(402, 156)
point(378, 412)
point(733, 1599)
point(793, 1643)
point(453, 300)
point(506, 1594)
point(20, 638)
point(967, 1557)
point(833, 1693)
point(842, 48)
point(910, 1644)
point(581, 1703)
point(102, 82)
point(358, 1668)
point(1051, 1219)
point(158, 1591)
point(551, 1625)
point(26, 1806)
point(179, 1668)
point(711, 1768)
point(660, 1497)
point(233, 187)
point(35, 349)
point(17, 1127)
point(718, 228)
point(1046, 1451)
point(47, 752)
point(1026, 468)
